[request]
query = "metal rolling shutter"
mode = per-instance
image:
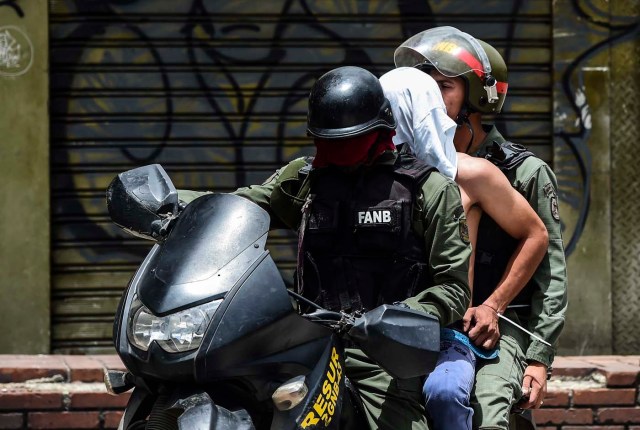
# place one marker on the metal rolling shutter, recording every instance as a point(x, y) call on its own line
point(216, 93)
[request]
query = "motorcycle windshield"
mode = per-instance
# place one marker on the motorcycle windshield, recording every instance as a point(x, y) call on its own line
point(216, 240)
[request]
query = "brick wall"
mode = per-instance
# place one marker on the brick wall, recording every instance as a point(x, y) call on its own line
point(589, 393)
point(66, 392)
point(58, 392)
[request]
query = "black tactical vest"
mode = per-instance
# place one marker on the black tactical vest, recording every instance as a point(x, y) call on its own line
point(359, 250)
point(494, 247)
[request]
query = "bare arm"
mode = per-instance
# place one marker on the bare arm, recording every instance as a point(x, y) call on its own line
point(488, 188)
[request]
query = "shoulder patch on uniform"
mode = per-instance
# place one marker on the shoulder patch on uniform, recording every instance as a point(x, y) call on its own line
point(550, 193)
point(463, 228)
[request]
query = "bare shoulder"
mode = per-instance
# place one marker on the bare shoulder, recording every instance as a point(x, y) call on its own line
point(472, 169)
point(481, 181)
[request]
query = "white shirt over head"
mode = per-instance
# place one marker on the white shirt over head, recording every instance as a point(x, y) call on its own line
point(421, 118)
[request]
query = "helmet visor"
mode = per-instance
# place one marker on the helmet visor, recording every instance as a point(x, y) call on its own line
point(447, 49)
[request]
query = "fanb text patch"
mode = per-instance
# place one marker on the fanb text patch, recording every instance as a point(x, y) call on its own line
point(374, 216)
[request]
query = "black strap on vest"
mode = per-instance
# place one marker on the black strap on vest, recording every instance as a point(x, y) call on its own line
point(494, 247)
point(407, 164)
point(507, 155)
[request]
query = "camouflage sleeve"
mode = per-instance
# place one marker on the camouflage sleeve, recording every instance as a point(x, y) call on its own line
point(281, 195)
point(261, 194)
point(549, 300)
point(258, 194)
point(442, 223)
point(187, 196)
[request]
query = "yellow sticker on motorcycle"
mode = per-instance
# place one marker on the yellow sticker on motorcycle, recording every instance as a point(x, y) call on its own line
point(324, 406)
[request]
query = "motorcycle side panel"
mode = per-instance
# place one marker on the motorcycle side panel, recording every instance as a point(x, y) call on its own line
point(322, 406)
point(255, 323)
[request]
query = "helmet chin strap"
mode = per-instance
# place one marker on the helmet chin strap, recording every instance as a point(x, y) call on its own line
point(463, 119)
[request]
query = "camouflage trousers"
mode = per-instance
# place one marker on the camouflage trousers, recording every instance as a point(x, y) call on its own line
point(390, 403)
point(498, 383)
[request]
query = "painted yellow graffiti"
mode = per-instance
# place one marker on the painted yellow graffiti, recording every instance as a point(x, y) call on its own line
point(325, 405)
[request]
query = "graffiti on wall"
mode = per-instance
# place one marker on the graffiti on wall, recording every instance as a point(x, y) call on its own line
point(216, 93)
point(16, 48)
point(16, 51)
point(232, 89)
point(13, 4)
point(573, 113)
point(219, 100)
point(212, 95)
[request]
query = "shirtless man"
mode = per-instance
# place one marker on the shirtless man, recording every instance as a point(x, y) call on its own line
point(420, 111)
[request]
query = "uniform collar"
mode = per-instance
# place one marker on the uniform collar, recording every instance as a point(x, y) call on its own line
point(493, 135)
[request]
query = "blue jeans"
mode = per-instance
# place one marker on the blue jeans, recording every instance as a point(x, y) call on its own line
point(448, 388)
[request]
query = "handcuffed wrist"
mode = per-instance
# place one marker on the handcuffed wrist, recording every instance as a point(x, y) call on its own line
point(490, 307)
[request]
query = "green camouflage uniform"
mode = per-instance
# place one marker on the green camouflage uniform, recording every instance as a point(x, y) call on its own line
point(438, 218)
point(499, 381)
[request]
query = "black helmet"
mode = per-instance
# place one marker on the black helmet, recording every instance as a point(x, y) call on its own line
point(347, 102)
point(455, 53)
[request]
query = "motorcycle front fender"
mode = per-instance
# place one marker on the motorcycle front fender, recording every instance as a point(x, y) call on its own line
point(138, 407)
point(198, 411)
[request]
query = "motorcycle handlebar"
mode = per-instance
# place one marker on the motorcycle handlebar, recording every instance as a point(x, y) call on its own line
point(341, 322)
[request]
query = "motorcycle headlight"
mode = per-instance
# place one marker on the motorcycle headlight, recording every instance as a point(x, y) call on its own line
point(178, 332)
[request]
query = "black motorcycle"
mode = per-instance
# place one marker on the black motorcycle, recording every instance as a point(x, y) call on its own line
point(212, 338)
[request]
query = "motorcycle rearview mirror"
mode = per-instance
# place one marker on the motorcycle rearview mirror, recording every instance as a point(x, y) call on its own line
point(404, 342)
point(143, 201)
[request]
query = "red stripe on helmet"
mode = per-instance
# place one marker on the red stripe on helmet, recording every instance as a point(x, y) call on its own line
point(476, 66)
point(471, 61)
